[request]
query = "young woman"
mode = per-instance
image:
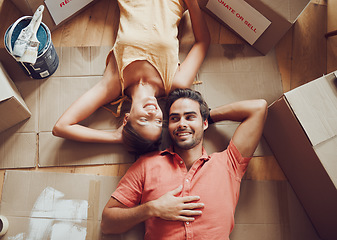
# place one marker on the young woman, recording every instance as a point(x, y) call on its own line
point(143, 65)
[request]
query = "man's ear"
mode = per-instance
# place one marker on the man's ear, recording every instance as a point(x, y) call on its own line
point(205, 124)
point(126, 118)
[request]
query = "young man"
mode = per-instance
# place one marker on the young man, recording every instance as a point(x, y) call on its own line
point(183, 193)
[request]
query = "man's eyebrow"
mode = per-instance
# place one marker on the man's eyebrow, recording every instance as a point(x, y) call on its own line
point(185, 113)
point(191, 112)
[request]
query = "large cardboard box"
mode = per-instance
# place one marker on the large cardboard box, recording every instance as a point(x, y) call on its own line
point(13, 109)
point(301, 130)
point(262, 23)
point(56, 12)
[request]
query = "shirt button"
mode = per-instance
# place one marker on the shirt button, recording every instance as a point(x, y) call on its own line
point(186, 180)
point(187, 223)
point(181, 162)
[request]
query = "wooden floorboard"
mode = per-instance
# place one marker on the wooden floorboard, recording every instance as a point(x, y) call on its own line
point(332, 41)
point(309, 45)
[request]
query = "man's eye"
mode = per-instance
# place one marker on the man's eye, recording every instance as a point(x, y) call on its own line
point(143, 119)
point(190, 117)
point(173, 119)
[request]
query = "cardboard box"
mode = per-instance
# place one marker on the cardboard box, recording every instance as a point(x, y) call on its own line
point(301, 130)
point(262, 23)
point(13, 109)
point(56, 12)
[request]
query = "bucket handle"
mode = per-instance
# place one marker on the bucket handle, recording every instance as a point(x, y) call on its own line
point(9, 35)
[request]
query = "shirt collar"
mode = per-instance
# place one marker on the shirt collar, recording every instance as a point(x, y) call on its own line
point(170, 151)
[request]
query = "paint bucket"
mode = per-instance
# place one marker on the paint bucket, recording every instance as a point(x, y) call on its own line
point(47, 60)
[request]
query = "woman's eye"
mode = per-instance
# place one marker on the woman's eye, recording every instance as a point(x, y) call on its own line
point(143, 119)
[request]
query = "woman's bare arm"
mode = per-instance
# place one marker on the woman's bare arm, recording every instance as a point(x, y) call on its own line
point(103, 92)
point(190, 66)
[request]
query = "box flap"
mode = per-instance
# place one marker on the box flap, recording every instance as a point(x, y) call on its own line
point(241, 17)
point(281, 14)
point(8, 88)
point(12, 112)
point(315, 106)
point(61, 10)
point(326, 151)
point(288, 9)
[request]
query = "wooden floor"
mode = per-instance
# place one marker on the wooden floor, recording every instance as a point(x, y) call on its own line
point(303, 54)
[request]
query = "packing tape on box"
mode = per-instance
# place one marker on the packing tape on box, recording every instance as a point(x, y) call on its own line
point(93, 210)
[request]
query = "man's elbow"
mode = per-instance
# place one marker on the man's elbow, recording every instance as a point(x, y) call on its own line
point(105, 229)
point(108, 228)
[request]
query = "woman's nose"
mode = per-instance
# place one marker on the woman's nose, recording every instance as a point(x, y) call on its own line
point(152, 112)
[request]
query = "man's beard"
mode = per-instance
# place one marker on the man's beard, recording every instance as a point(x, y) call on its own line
point(188, 144)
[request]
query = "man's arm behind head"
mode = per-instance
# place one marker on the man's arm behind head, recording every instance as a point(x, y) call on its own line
point(252, 115)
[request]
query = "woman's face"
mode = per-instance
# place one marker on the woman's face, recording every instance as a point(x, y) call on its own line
point(146, 118)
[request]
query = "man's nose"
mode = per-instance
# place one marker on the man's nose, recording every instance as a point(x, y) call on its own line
point(182, 123)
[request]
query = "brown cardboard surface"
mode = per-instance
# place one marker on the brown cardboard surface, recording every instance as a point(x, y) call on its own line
point(237, 72)
point(60, 152)
point(81, 61)
point(270, 210)
point(17, 150)
point(57, 206)
point(311, 170)
point(282, 15)
point(217, 138)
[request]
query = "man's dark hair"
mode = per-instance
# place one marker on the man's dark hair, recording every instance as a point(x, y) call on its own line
point(190, 94)
point(135, 143)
